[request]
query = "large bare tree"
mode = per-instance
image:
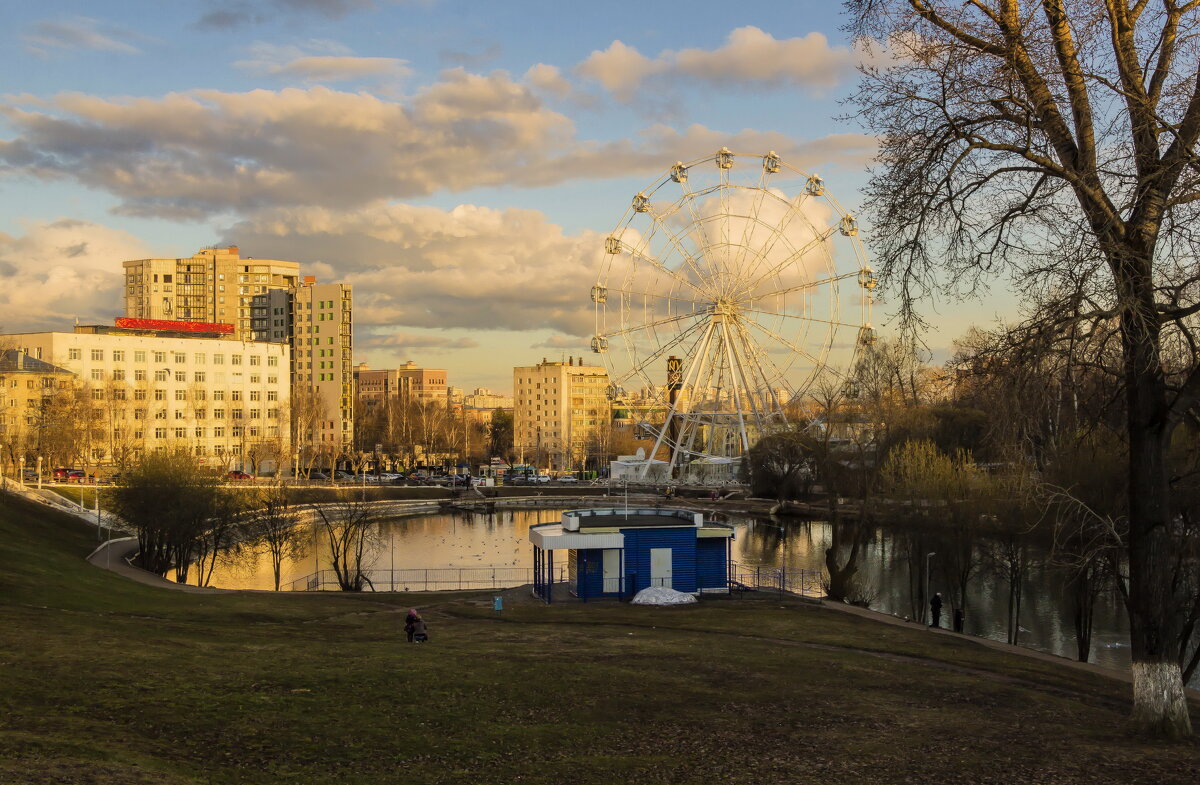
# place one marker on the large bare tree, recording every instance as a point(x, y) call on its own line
point(1055, 142)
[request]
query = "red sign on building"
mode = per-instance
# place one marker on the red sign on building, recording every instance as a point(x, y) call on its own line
point(174, 326)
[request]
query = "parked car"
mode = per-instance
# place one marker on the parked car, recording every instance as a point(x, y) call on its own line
point(62, 474)
point(338, 474)
point(30, 474)
point(77, 475)
point(239, 476)
point(318, 476)
point(568, 478)
point(541, 478)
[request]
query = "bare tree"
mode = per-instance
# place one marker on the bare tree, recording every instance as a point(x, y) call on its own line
point(1056, 142)
point(273, 526)
point(349, 526)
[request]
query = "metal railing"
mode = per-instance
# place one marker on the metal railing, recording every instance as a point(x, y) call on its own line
point(807, 583)
point(421, 579)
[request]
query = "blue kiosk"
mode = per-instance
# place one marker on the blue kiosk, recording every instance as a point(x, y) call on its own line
point(618, 552)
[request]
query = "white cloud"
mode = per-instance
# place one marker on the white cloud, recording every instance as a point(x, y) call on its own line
point(319, 61)
point(548, 79)
point(472, 267)
point(750, 57)
point(63, 270)
point(208, 152)
point(77, 33)
point(400, 343)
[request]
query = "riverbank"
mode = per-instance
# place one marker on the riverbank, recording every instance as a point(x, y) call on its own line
point(112, 681)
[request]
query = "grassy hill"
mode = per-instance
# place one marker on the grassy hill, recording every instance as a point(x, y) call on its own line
point(103, 680)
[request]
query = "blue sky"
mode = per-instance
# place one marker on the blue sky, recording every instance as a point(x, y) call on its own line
point(458, 162)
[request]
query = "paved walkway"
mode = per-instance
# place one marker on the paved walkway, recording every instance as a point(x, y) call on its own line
point(114, 555)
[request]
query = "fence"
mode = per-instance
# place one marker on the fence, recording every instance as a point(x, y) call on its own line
point(437, 579)
point(808, 583)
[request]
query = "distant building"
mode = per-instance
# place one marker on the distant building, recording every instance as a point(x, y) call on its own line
point(222, 398)
point(560, 413)
point(428, 384)
point(213, 285)
point(483, 398)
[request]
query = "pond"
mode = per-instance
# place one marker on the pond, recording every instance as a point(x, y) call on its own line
point(501, 540)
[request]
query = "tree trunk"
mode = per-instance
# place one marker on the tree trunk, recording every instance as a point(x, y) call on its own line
point(1155, 611)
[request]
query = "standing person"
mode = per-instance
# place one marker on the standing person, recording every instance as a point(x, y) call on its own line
point(935, 610)
point(410, 622)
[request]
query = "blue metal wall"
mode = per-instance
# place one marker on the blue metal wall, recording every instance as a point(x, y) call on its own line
point(711, 569)
point(589, 569)
point(682, 543)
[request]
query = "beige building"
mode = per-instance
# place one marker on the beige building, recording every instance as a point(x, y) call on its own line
point(317, 320)
point(28, 387)
point(226, 400)
point(483, 398)
point(213, 285)
point(560, 412)
point(428, 384)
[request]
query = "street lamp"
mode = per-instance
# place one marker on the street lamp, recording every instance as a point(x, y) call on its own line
point(928, 556)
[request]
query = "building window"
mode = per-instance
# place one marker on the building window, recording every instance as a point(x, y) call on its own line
point(272, 395)
point(160, 357)
point(160, 433)
point(199, 432)
point(98, 355)
point(118, 376)
point(198, 376)
point(218, 433)
point(235, 395)
point(97, 374)
point(179, 415)
point(272, 361)
point(139, 414)
point(254, 395)
point(139, 356)
point(201, 414)
point(235, 359)
point(254, 414)
point(160, 395)
point(236, 413)
point(218, 359)
point(200, 358)
point(97, 395)
point(201, 395)
point(181, 376)
point(160, 376)
point(218, 395)
point(118, 356)
point(75, 354)
point(139, 395)
point(139, 375)
point(181, 433)
point(254, 359)
point(180, 358)
point(181, 395)
point(161, 414)
point(219, 414)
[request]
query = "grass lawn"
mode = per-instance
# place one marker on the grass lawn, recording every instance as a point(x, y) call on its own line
point(103, 680)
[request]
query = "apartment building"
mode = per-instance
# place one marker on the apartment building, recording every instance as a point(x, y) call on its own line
point(213, 285)
point(317, 321)
point(28, 387)
point(560, 412)
point(224, 399)
point(428, 384)
point(377, 387)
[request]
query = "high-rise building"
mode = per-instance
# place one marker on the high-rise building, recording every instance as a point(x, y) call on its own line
point(223, 399)
point(560, 412)
point(317, 320)
point(213, 285)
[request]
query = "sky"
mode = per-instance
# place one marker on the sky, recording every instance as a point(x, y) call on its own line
point(459, 163)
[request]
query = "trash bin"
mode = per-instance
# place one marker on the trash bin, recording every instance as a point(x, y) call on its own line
point(959, 619)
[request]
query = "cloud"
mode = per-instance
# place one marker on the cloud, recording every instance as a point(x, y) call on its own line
point(230, 14)
point(76, 33)
point(548, 79)
point(401, 343)
point(206, 152)
point(473, 268)
point(465, 59)
point(319, 61)
point(63, 270)
point(749, 58)
point(571, 342)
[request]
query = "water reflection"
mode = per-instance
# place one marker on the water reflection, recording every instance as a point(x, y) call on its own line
point(888, 570)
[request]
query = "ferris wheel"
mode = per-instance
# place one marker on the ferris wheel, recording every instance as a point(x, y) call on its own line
point(731, 284)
